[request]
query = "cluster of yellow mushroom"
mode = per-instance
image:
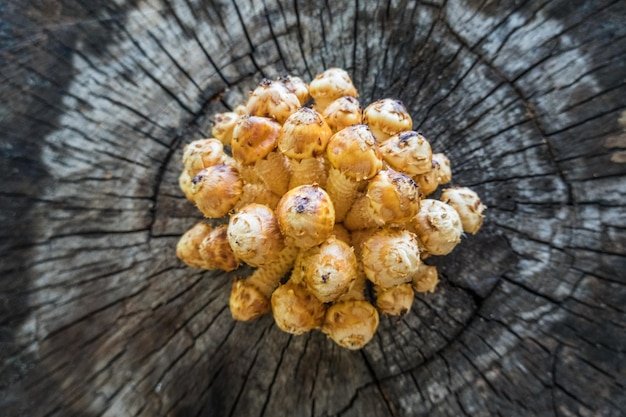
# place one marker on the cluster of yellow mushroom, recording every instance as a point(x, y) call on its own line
point(327, 201)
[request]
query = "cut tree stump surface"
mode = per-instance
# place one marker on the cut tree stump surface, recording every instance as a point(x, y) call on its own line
point(99, 318)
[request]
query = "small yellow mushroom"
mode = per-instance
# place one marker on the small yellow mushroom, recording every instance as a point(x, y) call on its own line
point(329, 269)
point(426, 279)
point(438, 226)
point(216, 190)
point(386, 117)
point(272, 99)
point(188, 246)
point(297, 86)
point(295, 309)
point(306, 216)
point(396, 300)
point(391, 197)
point(354, 157)
point(253, 138)
point(303, 139)
point(467, 203)
point(408, 152)
point(222, 126)
point(254, 235)
point(203, 153)
point(329, 86)
point(391, 257)
point(250, 297)
point(216, 252)
point(343, 112)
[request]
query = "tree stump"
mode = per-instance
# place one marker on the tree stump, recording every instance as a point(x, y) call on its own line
point(99, 318)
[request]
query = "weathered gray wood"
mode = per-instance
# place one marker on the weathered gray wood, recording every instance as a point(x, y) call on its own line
point(99, 318)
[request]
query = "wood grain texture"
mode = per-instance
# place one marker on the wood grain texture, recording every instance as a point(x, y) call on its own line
point(99, 318)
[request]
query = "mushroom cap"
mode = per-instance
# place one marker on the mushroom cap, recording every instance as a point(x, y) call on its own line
point(304, 134)
point(295, 309)
point(187, 248)
point(253, 138)
point(222, 126)
point(354, 152)
point(306, 216)
point(395, 301)
point(444, 172)
point(329, 86)
point(408, 152)
point(386, 117)
point(467, 203)
point(254, 235)
point(216, 252)
point(426, 279)
point(247, 302)
point(438, 226)
point(393, 196)
point(216, 190)
point(351, 324)
point(202, 153)
point(272, 99)
point(329, 269)
point(343, 112)
point(391, 257)
point(297, 86)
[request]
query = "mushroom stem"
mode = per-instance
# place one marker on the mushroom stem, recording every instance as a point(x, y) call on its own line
point(275, 172)
point(295, 309)
point(307, 171)
point(342, 190)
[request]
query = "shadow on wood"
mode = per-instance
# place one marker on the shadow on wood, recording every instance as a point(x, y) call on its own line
point(98, 317)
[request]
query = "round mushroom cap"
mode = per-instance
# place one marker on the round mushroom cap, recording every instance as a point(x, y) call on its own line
point(343, 112)
point(408, 152)
point(386, 117)
point(329, 269)
point(354, 152)
point(393, 196)
point(272, 99)
point(216, 190)
point(395, 301)
point(247, 302)
point(351, 324)
point(329, 86)
point(438, 226)
point(254, 137)
point(202, 153)
point(306, 216)
point(295, 309)
point(391, 257)
point(254, 235)
point(304, 134)
point(467, 203)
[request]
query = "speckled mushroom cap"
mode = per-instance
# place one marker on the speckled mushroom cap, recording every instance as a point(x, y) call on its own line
point(329, 86)
point(467, 203)
point(202, 153)
point(272, 99)
point(304, 134)
point(295, 309)
point(254, 137)
point(343, 112)
point(354, 151)
point(351, 324)
point(408, 152)
point(391, 257)
point(306, 216)
point(386, 117)
point(329, 269)
point(216, 190)
point(254, 235)
point(438, 226)
point(393, 196)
